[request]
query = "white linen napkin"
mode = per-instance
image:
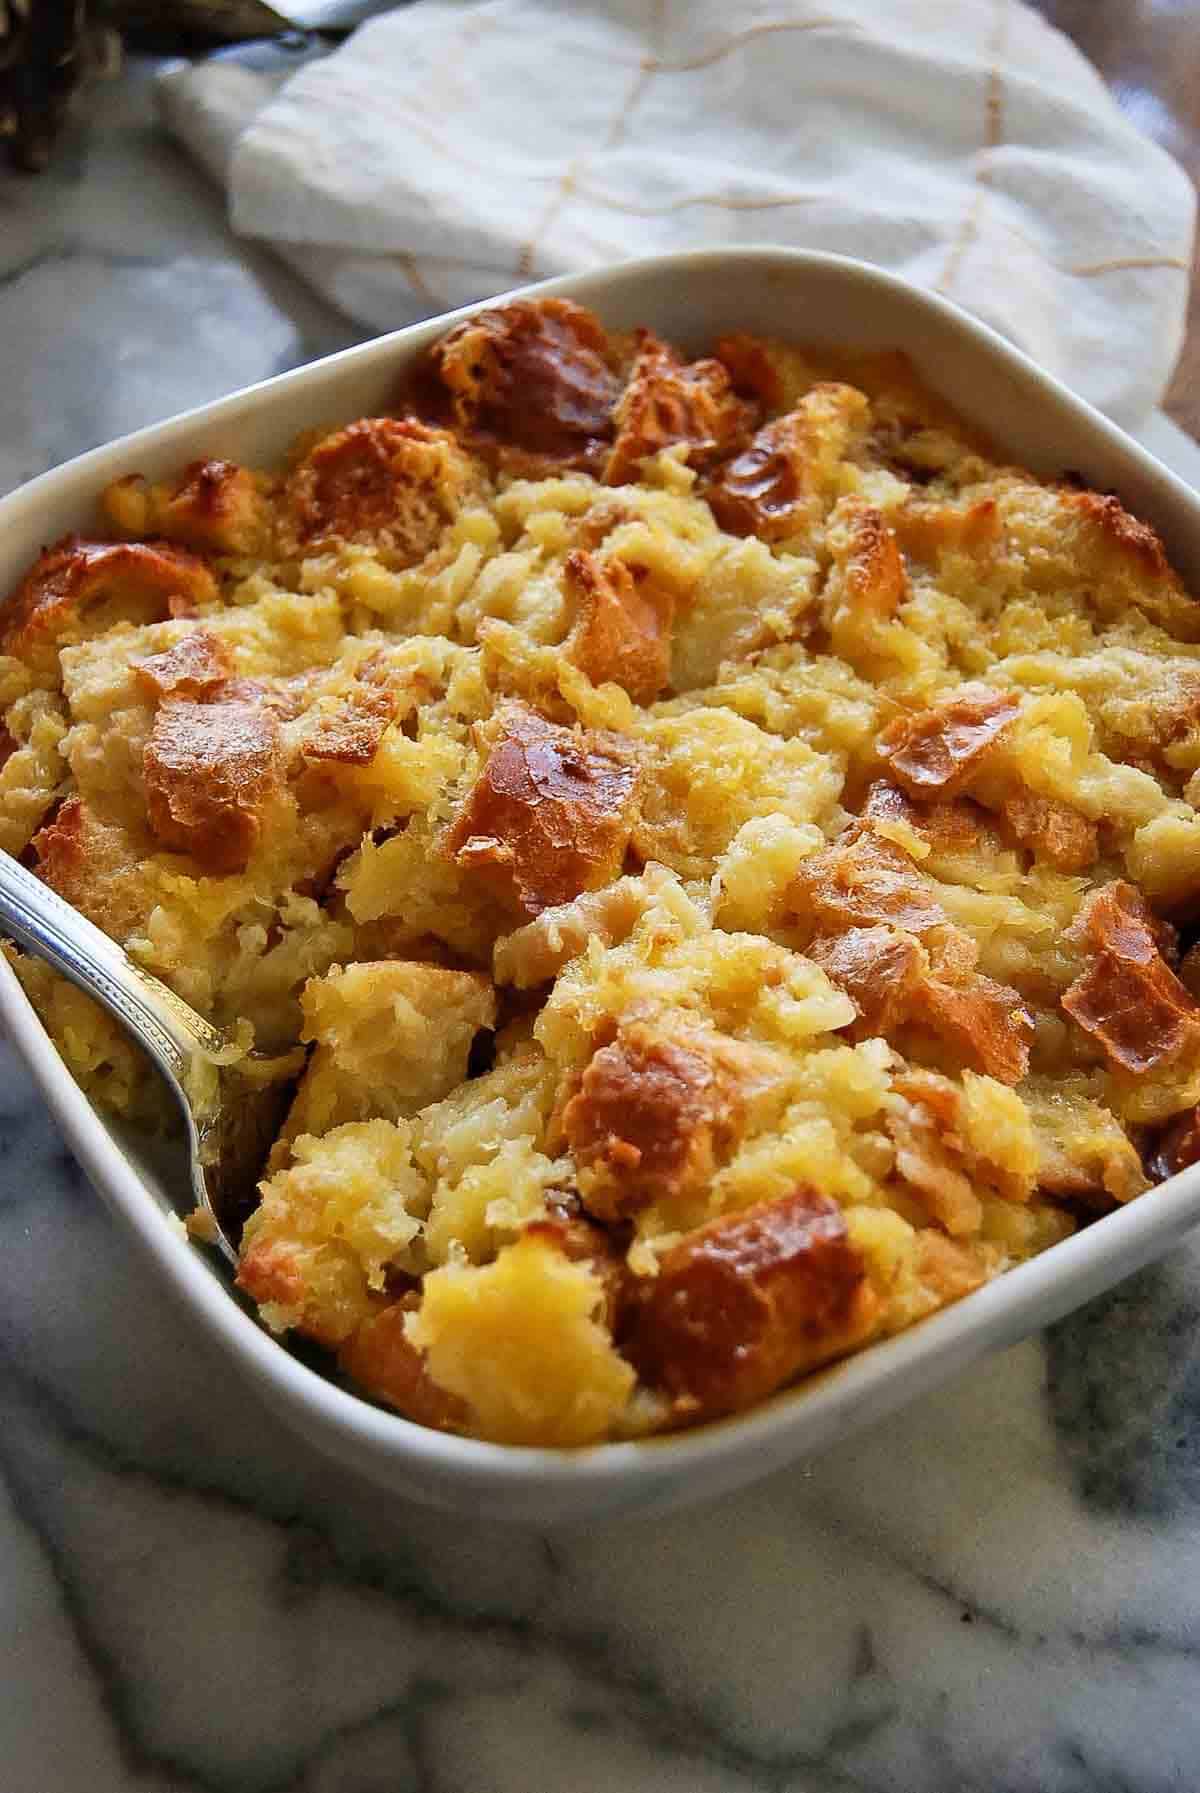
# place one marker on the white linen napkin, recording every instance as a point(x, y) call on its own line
point(449, 151)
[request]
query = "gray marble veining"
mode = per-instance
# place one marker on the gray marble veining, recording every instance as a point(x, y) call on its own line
point(997, 1590)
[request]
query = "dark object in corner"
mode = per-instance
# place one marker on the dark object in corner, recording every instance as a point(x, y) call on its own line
point(168, 26)
point(50, 48)
point(42, 59)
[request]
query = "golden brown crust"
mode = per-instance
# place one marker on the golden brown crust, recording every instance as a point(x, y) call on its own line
point(148, 580)
point(600, 521)
point(988, 1025)
point(764, 490)
point(873, 921)
point(196, 666)
point(276, 1272)
point(210, 769)
point(861, 880)
point(927, 529)
point(92, 864)
point(893, 982)
point(880, 970)
point(1131, 539)
point(930, 1160)
point(1052, 831)
point(872, 583)
point(351, 732)
point(270, 1270)
point(212, 505)
point(939, 750)
point(59, 848)
point(1128, 998)
point(775, 487)
point(622, 628)
point(670, 403)
point(751, 369)
point(550, 813)
point(215, 505)
point(745, 1303)
point(533, 376)
point(655, 1112)
point(948, 824)
point(947, 747)
point(390, 482)
point(380, 1357)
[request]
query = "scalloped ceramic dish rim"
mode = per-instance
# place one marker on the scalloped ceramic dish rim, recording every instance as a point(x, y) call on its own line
point(658, 1473)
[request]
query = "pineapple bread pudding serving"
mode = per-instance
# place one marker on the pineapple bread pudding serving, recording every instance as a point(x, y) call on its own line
point(705, 843)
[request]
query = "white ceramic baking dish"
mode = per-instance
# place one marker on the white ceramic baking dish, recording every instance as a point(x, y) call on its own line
point(690, 298)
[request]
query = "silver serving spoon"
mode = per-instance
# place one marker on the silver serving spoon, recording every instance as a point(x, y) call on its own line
point(229, 1131)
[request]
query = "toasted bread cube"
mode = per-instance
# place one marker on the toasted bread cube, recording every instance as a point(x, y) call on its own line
point(670, 403)
point(213, 505)
point(550, 814)
point(745, 1303)
point(533, 374)
point(389, 482)
point(622, 629)
point(105, 582)
point(210, 771)
point(196, 666)
point(938, 751)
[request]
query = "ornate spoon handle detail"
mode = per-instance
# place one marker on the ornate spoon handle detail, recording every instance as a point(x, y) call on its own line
point(171, 1032)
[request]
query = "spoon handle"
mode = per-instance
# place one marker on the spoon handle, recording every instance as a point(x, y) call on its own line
point(38, 919)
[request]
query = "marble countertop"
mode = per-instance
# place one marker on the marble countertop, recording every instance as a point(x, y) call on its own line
point(997, 1590)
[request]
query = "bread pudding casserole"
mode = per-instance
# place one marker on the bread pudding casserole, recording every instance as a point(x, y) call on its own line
point(703, 844)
